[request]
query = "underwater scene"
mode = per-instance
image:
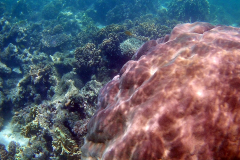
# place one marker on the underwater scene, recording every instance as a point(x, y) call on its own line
point(119, 80)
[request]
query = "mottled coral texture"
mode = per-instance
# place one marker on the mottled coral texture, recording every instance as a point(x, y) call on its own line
point(178, 101)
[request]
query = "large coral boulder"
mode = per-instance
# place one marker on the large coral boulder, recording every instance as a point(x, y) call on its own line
point(179, 100)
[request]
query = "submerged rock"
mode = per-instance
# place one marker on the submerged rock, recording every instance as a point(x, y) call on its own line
point(179, 100)
point(4, 69)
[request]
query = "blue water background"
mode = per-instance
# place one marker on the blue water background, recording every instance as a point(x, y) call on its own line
point(221, 11)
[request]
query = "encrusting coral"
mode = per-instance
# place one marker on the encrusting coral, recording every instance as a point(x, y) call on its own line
point(130, 46)
point(178, 100)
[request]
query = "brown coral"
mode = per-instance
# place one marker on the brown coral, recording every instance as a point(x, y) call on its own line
point(88, 56)
point(54, 40)
point(3, 152)
point(179, 100)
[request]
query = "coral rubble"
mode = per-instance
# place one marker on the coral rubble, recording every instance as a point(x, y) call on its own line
point(54, 127)
point(178, 100)
point(55, 40)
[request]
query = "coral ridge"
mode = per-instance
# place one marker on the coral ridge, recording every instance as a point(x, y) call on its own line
point(178, 100)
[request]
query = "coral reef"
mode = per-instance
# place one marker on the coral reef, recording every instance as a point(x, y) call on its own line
point(1, 41)
point(10, 51)
point(20, 33)
point(109, 46)
point(36, 151)
point(63, 62)
point(87, 56)
point(117, 11)
point(58, 29)
point(3, 152)
point(189, 10)
point(130, 46)
point(80, 127)
point(51, 10)
point(10, 154)
point(12, 150)
point(4, 69)
point(50, 125)
point(151, 30)
point(55, 55)
point(178, 100)
point(2, 8)
point(54, 40)
point(22, 59)
point(1, 122)
point(88, 97)
point(63, 143)
point(103, 33)
point(88, 60)
point(100, 49)
point(102, 7)
point(34, 86)
point(20, 9)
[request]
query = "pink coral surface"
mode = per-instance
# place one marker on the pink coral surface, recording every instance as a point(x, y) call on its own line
point(179, 100)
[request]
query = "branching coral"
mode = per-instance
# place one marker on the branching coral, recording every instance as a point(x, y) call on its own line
point(63, 144)
point(32, 128)
point(88, 56)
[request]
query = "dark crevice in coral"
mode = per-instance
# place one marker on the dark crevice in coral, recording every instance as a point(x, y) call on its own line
point(76, 108)
point(49, 140)
point(67, 125)
point(6, 113)
point(85, 74)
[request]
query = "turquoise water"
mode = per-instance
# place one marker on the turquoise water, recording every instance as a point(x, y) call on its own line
point(221, 12)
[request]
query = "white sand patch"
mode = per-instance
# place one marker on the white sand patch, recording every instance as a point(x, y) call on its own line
point(7, 135)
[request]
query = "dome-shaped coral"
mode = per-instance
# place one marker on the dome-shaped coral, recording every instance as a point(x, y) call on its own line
point(179, 100)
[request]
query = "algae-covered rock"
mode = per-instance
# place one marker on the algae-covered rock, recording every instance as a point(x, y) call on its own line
point(4, 69)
